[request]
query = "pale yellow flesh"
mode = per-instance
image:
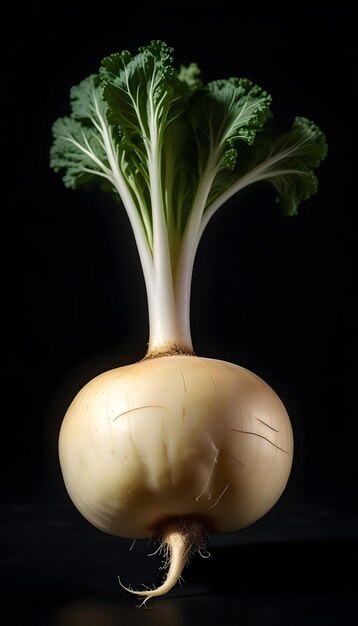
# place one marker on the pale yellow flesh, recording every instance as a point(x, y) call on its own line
point(175, 436)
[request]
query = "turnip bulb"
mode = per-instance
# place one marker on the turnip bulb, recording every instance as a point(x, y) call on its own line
point(176, 446)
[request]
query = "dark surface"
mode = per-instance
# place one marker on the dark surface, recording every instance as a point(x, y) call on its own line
point(296, 566)
point(270, 293)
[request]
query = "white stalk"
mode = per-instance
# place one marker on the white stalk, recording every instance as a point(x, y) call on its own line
point(122, 188)
point(189, 247)
point(165, 333)
point(199, 220)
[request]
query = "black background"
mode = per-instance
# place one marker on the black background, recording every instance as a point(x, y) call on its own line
point(270, 293)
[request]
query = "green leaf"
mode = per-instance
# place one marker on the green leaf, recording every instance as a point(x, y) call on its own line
point(228, 159)
point(286, 160)
point(147, 99)
point(75, 152)
point(138, 89)
point(78, 150)
point(86, 99)
point(175, 149)
point(189, 78)
point(180, 175)
point(294, 156)
point(226, 113)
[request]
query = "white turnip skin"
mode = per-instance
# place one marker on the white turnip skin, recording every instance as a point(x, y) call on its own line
point(185, 438)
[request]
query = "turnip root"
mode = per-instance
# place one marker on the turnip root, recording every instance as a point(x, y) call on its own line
point(175, 447)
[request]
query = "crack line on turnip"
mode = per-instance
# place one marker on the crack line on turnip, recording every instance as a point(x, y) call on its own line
point(183, 414)
point(249, 432)
point(182, 375)
point(268, 425)
point(166, 452)
point(147, 406)
point(137, 453)
point(238, 460)
point(211, 376)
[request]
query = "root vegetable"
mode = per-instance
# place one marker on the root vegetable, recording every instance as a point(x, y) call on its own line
point(176, 446)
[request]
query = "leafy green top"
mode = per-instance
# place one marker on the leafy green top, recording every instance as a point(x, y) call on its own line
point(175, 150)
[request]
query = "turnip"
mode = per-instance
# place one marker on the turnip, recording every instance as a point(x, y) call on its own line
point(176, 446)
